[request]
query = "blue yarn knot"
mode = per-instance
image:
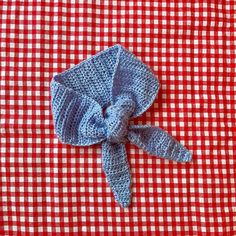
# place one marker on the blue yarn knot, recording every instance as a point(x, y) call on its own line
point(82, 116)
point(117, 118)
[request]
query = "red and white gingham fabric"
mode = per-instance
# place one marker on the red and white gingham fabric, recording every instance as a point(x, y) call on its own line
point(47, 188)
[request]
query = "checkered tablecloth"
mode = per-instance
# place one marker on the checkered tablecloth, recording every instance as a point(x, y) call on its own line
point(48, 188)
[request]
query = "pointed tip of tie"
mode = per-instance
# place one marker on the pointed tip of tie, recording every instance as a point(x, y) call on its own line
point(125, 204)
point(187, 157)
point(124, 199)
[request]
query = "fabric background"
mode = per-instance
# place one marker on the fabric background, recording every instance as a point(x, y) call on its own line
point(47, 188)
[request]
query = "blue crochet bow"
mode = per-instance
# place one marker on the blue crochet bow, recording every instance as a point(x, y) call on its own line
point(94, 101)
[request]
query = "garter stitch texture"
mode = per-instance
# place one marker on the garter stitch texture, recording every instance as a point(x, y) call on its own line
point(94, 101)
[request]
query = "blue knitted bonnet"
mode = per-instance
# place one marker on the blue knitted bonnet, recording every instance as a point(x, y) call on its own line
point(94, 101)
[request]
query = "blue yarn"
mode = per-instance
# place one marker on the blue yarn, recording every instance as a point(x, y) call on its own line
point(94, 101)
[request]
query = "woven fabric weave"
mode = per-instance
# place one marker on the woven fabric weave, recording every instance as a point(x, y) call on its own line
point(94, 101)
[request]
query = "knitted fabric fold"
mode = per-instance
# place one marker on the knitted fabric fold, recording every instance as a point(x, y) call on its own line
point(94, 101)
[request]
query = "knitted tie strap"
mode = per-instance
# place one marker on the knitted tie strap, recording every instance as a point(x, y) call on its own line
point(94, 101)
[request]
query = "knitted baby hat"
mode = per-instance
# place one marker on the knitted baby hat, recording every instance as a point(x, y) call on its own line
point(94, 101)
